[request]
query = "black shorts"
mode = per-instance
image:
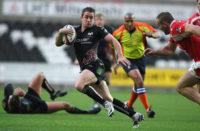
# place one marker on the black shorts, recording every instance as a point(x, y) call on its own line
point(139, 64)
point(97, 67)
point(34, 103)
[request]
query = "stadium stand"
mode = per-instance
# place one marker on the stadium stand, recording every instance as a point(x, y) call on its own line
point(34, 42)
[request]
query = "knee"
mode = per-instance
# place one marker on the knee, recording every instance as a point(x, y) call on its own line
point(40, 75)
point(79, 86)
point(66, 105)
point(178, 89)
point(139, 83)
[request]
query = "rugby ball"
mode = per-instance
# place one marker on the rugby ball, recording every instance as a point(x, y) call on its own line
point(69, 39)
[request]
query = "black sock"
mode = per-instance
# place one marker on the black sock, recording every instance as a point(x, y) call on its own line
point(47, 86)
point(123, 108)
point(90, 91)
point(76, 110)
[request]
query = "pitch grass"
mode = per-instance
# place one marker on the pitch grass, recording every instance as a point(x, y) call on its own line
point(173, 113)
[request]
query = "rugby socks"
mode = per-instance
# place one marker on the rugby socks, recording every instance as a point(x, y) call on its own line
point(91, 92)
point(48, 87)
point(76, 110)
point(123, 108)
point(141, 91)
point(132, 98)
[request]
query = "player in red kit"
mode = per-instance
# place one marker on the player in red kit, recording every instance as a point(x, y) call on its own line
point(187, 37)
point(195, 19)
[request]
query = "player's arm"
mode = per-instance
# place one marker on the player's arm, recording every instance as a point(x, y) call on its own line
point(19, 92)
point(153, 35)
point(121, 59)
point(149, 31)
point(192, 29)
point(60, 34)
point(167, 50)
point(114, 59)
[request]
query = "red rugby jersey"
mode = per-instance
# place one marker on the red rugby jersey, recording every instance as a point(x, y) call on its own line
point(195, 19)
point(191, 44)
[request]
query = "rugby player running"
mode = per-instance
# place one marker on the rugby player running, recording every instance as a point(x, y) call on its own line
point(91, 79)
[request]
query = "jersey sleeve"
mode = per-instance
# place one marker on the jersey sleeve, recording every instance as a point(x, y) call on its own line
point(116, 34)
point(177, 31)
point(147, 28)
point(109, 29)
point(102, 32)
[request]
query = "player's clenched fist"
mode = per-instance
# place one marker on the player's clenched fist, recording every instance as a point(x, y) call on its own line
point(148, 51)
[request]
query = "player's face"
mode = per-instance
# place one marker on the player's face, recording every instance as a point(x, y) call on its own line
point(198, 5)
point(163, 26)
point(99, 21)
point(129, 22)
point(87, 19)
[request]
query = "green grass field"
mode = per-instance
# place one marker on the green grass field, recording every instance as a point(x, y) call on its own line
point(173, 113)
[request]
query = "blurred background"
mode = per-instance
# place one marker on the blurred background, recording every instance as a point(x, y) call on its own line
point(28, 29)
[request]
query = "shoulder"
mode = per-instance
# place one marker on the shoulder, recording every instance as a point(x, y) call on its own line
point(98, 28)
point(192, 17)
point(177, 30)
point(195, 19)
point(108, 28)
point(77, 27)
point(118, 30)
point(143, 25)
point(177, 26)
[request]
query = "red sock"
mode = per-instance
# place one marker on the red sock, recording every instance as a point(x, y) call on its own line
point(132, 99)
point(143, 99)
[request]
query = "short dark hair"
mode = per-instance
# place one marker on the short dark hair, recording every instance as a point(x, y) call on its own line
point(14, 104)
point(165, 16)
point(88, 9)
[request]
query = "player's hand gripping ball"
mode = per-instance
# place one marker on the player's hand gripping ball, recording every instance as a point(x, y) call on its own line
point(69, 39)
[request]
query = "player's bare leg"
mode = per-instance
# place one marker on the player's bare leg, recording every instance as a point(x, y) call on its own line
point(86, 77)
point(83, 84)
point(198, 87)
point(57, 106)
point(185, 87)
point(140, 91)
point(39, 82)
point(107, 77)
point(103, 90)
point(36, 83)
point(118, 105)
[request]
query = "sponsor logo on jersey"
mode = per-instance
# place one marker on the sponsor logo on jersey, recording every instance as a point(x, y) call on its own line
point(90, 33)
point(178, 29)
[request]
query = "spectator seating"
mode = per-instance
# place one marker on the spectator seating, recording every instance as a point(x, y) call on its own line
point(35, 42)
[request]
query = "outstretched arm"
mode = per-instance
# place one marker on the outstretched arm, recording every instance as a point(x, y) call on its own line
point(60, 105)
point(167, 50)
point(114, 60)
point(121, 59)
point(192, 29)
point(153, 35)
